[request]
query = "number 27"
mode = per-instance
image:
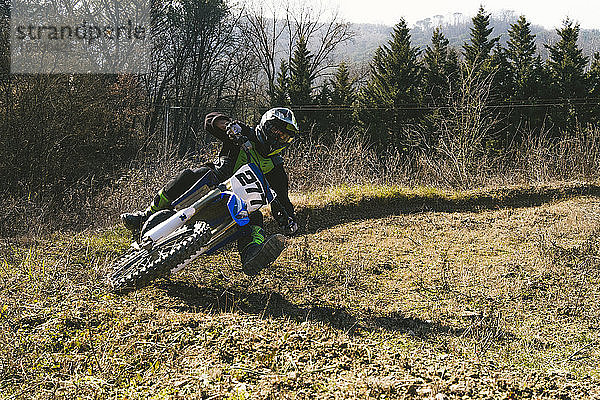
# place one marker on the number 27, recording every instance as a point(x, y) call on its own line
point(247, 178)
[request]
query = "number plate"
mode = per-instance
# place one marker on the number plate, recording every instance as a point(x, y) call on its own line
point(247, 185)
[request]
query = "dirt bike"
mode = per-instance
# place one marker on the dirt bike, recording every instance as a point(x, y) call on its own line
point(204, 219)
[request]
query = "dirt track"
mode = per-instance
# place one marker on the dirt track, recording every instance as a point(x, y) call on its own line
point(495, 303)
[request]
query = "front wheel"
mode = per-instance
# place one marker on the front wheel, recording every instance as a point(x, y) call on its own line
point(139, 267)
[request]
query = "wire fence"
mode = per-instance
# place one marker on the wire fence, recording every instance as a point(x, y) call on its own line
point(555, 102)
point(176, 135)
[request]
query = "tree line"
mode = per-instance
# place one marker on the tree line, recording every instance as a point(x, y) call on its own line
point(408, 91)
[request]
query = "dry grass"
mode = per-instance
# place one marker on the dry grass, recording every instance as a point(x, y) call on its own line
point(495, 303)
point(88, 205)
point(536, 161)
point(349, 161)
point(401, 286)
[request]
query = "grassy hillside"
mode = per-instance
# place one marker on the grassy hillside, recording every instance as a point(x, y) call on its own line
point(389, 293)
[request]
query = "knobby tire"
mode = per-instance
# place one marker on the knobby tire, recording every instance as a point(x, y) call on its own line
point(138, 268)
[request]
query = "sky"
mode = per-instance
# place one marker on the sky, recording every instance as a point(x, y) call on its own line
point(549, 13)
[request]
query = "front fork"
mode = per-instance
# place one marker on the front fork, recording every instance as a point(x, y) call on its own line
point(221, 231)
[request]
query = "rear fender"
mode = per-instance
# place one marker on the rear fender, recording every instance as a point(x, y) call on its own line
point(180, 218)
point(156, 219)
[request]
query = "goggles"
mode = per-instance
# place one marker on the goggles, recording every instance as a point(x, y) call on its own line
point(282, 137)
point(282, 140)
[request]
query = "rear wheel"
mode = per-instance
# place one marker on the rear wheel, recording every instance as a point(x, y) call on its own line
point(139, 267)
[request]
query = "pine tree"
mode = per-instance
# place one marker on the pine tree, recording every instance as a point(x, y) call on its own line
point(593, 78)
point(343, 95)
point(521, 56)
point(440, 68)
point(567, 62)
point(324, 97)
point(527, 74)
point(500, 91)
point(567, 70)
point(4, 39)
point(542, 79)
point(281, 95)
point(478, 50)
point(301, 80)
point(502, 85)
point(343, 86)
point(324, 117)
point(393, 87)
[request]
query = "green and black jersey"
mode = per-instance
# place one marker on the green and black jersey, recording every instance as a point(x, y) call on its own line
point(231, 157)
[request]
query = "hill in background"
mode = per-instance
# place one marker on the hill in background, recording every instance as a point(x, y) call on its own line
point(457, 29)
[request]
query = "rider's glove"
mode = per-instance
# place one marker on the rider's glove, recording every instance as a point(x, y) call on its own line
point(235, 133)
point(235, 128)
point(246, 144)
point(291, 228)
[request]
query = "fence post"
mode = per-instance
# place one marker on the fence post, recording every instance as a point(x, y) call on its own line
point(166, 147)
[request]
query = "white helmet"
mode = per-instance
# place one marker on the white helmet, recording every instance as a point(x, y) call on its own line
point(276, 131)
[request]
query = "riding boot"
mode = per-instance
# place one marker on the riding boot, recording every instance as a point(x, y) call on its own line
point(256, 252)
point(135, 221)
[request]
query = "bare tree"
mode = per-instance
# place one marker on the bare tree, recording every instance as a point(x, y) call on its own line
point(322, 28)
point(264, 29)
point(273, 31)
point(462, 153)
point(199, 61)
point(5, 78)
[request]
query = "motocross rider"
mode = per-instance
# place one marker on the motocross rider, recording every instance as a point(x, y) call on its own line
point(276, 131)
